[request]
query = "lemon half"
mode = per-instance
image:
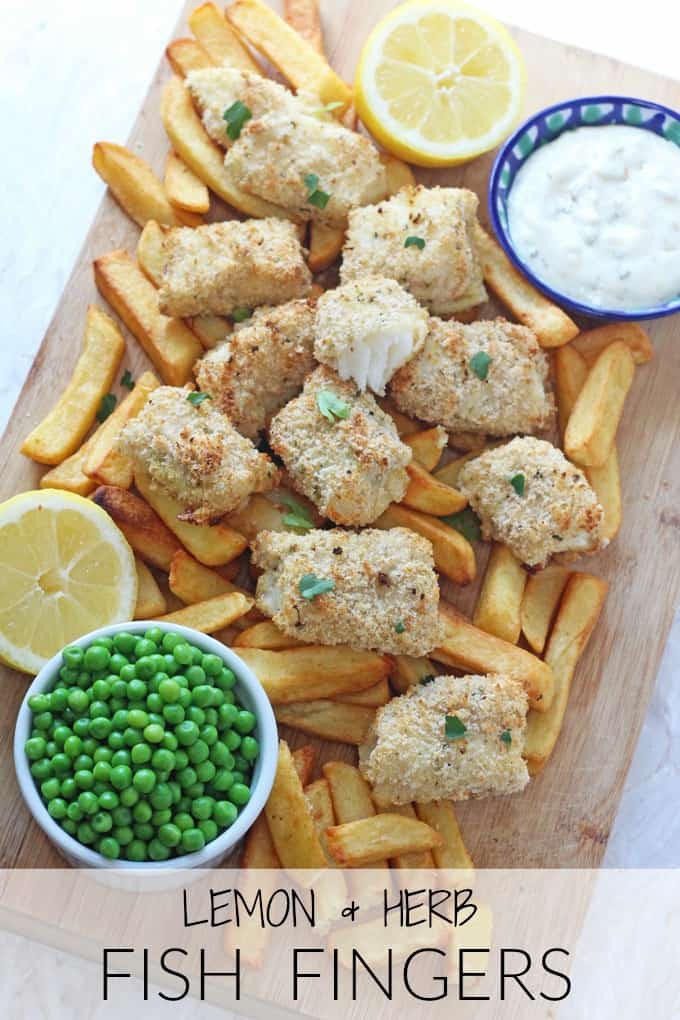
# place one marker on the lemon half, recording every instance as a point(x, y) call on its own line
point(439, 82)
point(65, 569)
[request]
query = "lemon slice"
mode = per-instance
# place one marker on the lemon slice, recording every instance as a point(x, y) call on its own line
point(439, 82)
point(65, 569)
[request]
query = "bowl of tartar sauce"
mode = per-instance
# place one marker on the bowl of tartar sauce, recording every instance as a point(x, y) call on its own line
point(585, 200)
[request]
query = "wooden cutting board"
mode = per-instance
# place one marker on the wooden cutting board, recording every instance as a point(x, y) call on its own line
point(565, 816)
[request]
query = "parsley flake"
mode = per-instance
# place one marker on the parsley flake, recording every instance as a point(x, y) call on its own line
point(427, 679)
point(454, 728)
point(506, 737)
point(518, 483)
point(310, 586)
point(241, 314)
point(329, 107)
point(466, 522)
point(127, 380)
point(479, 363)
point(236, 116)
point(196, 397)
point(299, 516)
point(399, 627)
point(331, 406)
point(414, 242)
point(315, 195)
point(108, 402)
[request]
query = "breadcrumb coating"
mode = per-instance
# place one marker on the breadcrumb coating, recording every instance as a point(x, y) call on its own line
point(385, 593)
point(260, 366)
point(367, 329)
point(408, 756)
point(440, 384)
point(555, 511)
point(275, 155)
point(212, 270)
point(351, 468)
point(195, 455)
point(444, 273)
point(215, 89)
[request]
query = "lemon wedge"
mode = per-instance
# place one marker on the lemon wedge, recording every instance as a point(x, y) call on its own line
point(65, 569)
point(439, 82)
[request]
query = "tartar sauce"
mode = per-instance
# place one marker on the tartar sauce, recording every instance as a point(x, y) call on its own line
point(596, 215)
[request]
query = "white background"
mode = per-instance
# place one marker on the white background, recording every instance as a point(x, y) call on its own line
point(75, 71)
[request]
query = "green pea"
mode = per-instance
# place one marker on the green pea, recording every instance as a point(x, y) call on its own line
point(245, 721)
point(156, 719)
point(155, 703)
point(99, 710)
point(137, 690)
point(69, 826)
point(138, 719)
point(154, 634)
point(140, 754)
point(223, 780)
point(161, 817)
point(57, 808)
point(239, 794)
point(88, 802)
point(240, 763)
point(69, 788)
point(171, 666)
point(158, 852)
point(109, 847)
point(221, 755)
point(86, 834)
point(227, 715)
point(232, 740)
point(39, 703)
point(209, 735)
point(103, 754)
point(183, 654)
point(143, 648)
point(72, 656)
point(206, 771)
point(202, 695)
point(185, 698)
point(105, 642)
point(225, 679)
point(196, 676)
point(142, 811)
point(35, 748)
point(127, 674)
point(83, 763)
point(101, 690)
point(195, 790)
point(121, 757)
point(225, 813)
point(181, 759)
point(136, 851)
point(121, 776)
point(161, 796)
point(116, 740)
point(196, 655)
point(183, 821)
point(43, 720)
point(187, 733)
point(129, 796)
point(144, 830)
point(170, 742)
point(171, 640)
point(96, 657)
point(198, 752)
point(211, 717)
point(58, 700)
point(186, 777)
point(144, 669)
point(202, 807)
point(229, 698)
point(73, 746)
point(50, 788)
point(192, 840)
point(168, 690)
point(144, 780)
point(212, 664)
point(195, 714)
point(250, 748)
point(102, 822)
point(173, 714)
point(239, 777)
point(170, 835)
point(101, 727)
point(108, 800)
point(163, 760)
point(42, 769)
point(153, 733)
point(209, 829)
point(74, 811)
point(124, 834)
point(117, 662)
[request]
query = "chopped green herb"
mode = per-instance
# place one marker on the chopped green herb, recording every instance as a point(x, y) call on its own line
point(236, 116)
point(196, 397)
point(518, 482)
point(414, 242)
point(466, 522)
point(315, 195)
point(331, 407)
point(506, 737)
point(127, 380)
point(428, 679)
point(310, 586)
point(454, 729)
point(108, 402)
point(299, 516)
point(329, 107)
point(399, 627)
point(241, 314)
point(479, 363)
point(558, 538)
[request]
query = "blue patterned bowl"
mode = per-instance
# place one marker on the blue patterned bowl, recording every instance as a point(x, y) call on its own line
point(543, 128)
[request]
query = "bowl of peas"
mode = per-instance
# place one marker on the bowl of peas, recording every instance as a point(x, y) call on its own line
point(145, 745)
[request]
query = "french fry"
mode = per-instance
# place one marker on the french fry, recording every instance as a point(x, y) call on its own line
point(290, 821)
point(186, 55)
point(427, 446)
point(219, 40)
point(552, 326)
point(150, 599)
point(303, 16)
point(320, 807)
point(368, 840)
point(409, 670)
point(399, 174)
point(570, 371)
point(304, 760)
point(210, 544)
point(211, 330)
point(267, 636)
point(150, 254)
point(539, 604)
point(170, 345)
point(419, 860)
point(182, 186)
point(591, 343)
point(104, 463)
point(191, 582)
point(213, 614)
point(133, 184)
point(405, 426)
point(448, 474)
point(69, 475)
point(290, 54)
point(315, 671)
point(61, 432)
point(325, 245)
point(500, 599)
point(259, 851)
point(591, 429)
point(352, 800)
point(372, 697)
point(470, 442)
point(264, 513)
point(453, 853)
point(453, 554)
point(606, 482)
point(330, 720)
point(191, 142)
point(472, 650)
point(579, 611)
point(428, 495)
point(144, 530)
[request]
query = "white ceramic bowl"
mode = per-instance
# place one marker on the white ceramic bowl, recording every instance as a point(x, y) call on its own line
point(251, 695)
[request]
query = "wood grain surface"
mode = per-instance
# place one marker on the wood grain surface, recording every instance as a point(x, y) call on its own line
point(564, 817)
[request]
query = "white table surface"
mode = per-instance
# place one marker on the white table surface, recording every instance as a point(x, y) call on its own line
point(72, 73)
